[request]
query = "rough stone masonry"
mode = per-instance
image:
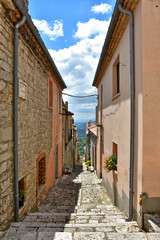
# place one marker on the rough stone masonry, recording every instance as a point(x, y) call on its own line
point(34, 119)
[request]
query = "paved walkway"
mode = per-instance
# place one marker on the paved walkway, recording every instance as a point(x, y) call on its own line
point(77, 208)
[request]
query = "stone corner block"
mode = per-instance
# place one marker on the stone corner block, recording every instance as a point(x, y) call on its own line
point(7, 134)
point(62, 236)
point(89, 236)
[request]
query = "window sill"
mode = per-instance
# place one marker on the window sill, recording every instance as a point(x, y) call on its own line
point(116, 96)
point(51, 108)
point(99, 125)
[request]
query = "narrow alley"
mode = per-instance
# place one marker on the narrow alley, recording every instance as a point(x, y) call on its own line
point(77, 208)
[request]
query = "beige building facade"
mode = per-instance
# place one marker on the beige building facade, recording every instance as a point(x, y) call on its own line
point(114, 109)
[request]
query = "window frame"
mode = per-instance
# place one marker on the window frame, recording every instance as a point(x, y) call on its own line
point(22, 185)
point(115, 151)
point(41, 186)
point(116, 78)
point(50, 93)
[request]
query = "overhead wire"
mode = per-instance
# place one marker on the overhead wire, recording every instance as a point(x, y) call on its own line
point(86, 96)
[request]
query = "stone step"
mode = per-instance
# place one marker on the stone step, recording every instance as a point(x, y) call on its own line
point(78, 210)
point(43, 214)
point(101, 206)
point(49, 234)
point(92, 225)
point(73, 218)
point(65, 214)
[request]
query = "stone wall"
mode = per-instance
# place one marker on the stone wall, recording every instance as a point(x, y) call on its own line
point(6, 117)
point(34, 122)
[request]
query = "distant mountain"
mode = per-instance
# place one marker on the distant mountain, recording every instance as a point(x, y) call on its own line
point(84, 120)
point(81, 128)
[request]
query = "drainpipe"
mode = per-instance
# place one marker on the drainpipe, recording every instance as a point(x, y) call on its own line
point(15, 117)
point(132, 107)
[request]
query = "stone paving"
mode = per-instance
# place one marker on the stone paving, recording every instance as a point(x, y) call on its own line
point(77, 208)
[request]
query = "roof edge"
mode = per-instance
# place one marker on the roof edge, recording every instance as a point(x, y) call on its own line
point(110, 31)
point(36, 34)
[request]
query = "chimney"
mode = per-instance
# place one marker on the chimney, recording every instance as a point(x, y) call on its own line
point(25, 3)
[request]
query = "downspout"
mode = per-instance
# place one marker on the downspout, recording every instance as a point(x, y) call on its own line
point(132, 108)
point(15, 117)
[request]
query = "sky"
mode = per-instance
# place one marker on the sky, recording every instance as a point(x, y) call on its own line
point(74, 32)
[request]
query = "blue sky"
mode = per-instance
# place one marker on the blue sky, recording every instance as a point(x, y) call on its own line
point(74, 33)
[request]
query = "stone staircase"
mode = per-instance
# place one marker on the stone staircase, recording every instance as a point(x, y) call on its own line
point(77, 208)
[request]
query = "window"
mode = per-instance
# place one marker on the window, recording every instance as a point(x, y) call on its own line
point(115, 147)
point(97, 114)
point(101, 113)
point(41, 172)
point(50, 93)
point(116, 77)
point(22, 191)
point(115, 151)
point(60, 103)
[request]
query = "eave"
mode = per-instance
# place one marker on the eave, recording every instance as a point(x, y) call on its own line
point(32, 37)
point(115, 32)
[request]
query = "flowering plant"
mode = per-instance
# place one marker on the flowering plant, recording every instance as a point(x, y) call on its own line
point(110, 162)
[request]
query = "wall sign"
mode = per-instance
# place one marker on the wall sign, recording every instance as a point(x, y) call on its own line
point(22, 89)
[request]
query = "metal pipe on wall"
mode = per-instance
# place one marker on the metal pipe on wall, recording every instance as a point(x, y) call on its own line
point(132, 108)
point(15, 117)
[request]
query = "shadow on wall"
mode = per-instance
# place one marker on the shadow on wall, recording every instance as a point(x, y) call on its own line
point(122, 202)
point(54, 212)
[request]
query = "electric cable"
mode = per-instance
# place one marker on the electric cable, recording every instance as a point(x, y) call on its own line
point(92, 95)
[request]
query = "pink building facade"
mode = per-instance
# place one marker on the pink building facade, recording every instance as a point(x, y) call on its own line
point(112, 79)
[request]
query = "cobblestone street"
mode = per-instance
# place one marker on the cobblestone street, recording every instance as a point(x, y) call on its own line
point(77, 208)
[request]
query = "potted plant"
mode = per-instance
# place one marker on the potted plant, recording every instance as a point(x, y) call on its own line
point(110, 162)
point(21, 197)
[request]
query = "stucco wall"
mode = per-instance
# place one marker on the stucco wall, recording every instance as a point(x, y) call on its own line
point(116, 123)
point(116, 120)
point(151, 97)
point(56, 136)
point(138, 111)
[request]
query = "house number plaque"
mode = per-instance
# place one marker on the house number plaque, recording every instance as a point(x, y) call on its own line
point(22, 89)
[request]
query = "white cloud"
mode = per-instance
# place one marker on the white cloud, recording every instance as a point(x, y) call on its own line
point(77, 65)
point(53, 30)
point(91, 28)
point(102, 8)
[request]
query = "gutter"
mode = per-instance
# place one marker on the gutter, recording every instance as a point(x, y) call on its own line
point(15, 117)
point(132, 108)
point(36, 34)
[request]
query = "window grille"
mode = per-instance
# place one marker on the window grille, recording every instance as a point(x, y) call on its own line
point(41, 171)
